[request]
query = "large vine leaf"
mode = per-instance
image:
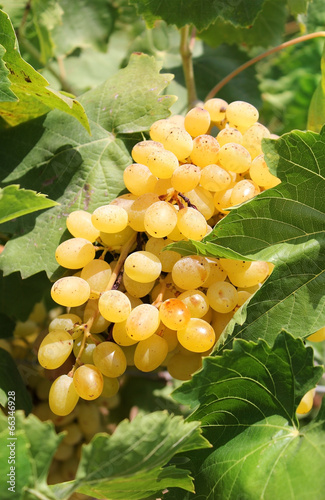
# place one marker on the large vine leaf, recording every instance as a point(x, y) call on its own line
point(34, 447)
point(33, 95)
point(266, 30)
point(246, 400)
point(15, 202)
point(11, 381)
point(198, 12)
point(284, 225)
point(55, 155)
point(46, 16)
point(132, 463)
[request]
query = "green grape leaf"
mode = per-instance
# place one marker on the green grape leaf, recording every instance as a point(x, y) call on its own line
point(34, 97)
point(298, 6)
point(284, 225)
point(316, 110)
point(132, 462)
point(12, 383)
point(315, 18)
point(55, 155)
point(32, 449)
point(246, 400)
point(46, 16)
point(84, 24)
point(266, 30)
point(198, 12)
point(15, 202)
point(6, 95)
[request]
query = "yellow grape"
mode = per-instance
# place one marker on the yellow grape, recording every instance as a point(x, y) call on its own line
point(150, 353)
point(88, 382)
point(220, 321)
point(179, 142)
point(142, 150)
point(174, 314)
point(142, 266)
point(138, 179)
point(120, 335)
point(244, 190)
point(162, 163)
point(110, 359)
point(222, 296)
point(160, 219)
point(217, 109)
point(100, 323)
point(114, 306)
point(252, 139)
point(110, 218)
point(74, 434)
point(241, 114)
point(317, 336)
point(197, 335)
point(229, 134)
point(142, 322)
point(306, 402)
point(205, 150)
point(138, 209)
point(197, 121)
point(63, 396)
point(55, 348)
point(191, 223)
point(171, 338)
point(203, 200)
point(186, 177)
point(114, 241)
point(257, 272)
point(135, 288)
point(182, 366)
point(70, 291)
point(190, 272)
point(160, 129)
point(87, 354)
point(217, 273)
point(97, 274)
point(65, 322)
point(111, 387)
point(80, 226)
point(196, 302)
point(215, 178)
point(260, 174)
point(75, 253)
point(234, 157)
point(166, 257)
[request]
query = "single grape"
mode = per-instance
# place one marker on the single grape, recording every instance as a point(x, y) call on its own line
point(142, 150)
point(215, 178)
point(150, 353)
point(63, 396)
point(317, 336)
point(191, 223)
point(160, 129)
point(186, 177)
point(197, 121)
point(179, 142)
point(135, 288)
point(88, 382)
point(217, 273)
point(120, 335)
point(139, 179)
point(97, 274)
point(202, 200)
point(110, 218)
point(70, 291)
point(241, 115)
point(257, 272)
point(162, 163)
point(114, 306)
point(229, 134)
point(252, 139)
point(197, 335)
point(160, 219)
point(114, 241)
point(205, 150)
point(234, 157)
point(75, 253)
point(260, 174)
point(243, 191)
point(66, 322)
point(80, 226)
point(111, 387)
point(110, 359)
point(91, 311)
point(306, 403)
point(74, 434)
point(55, 348)
point(190, 272)
point(142, 322)
point(182, 366)
point(138, 209)
point(196, 302)
point(222, 296)
point(171, 338)
point(90, 345)
point(174, 314)
point(166, 257)
point(142, 266)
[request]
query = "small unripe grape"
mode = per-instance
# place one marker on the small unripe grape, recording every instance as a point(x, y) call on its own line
point(110, 359)
point(142, 266)
point(110, 218)
point(197, 121)
point(150, 353)
point(55, 348)
point(75, 253)
point(114, 306)
point(70, 291)
point(174, 314)
point(88, 382)
point(216, 108)
point(197, 335)
point(63, 396)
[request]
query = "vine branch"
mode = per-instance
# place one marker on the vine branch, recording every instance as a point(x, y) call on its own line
point(186, 50)
point(258, 58)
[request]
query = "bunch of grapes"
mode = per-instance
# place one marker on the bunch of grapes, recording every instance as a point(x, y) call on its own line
point(131, 301)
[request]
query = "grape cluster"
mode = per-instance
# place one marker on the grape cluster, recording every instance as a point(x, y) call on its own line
point(132, 301)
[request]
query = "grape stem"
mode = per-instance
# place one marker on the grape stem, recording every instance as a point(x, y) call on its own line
point(160, 297)
point(123, 255)
point(258, 58)
point(186, 51)
point(86, 334)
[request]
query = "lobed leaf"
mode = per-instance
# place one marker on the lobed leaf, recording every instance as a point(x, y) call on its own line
point(15, 202)
point(247, 400)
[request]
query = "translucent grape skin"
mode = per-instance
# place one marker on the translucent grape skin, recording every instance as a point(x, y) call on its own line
point(63, 396)
point(142, 322)
point(110, 359)
point(114, 306)
point(88, 382)
point(150, 353)
point(190, 272)
point(197, 121)
point(160, 219)
point(317, 336)
point(174, 314)
point(197, 336)
point(70, 291)
point(110, 218)
point(138, 179)
point(75, 253)
point(80, 226)
point(55, 348)
point(142, 266)
point(191, 223)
